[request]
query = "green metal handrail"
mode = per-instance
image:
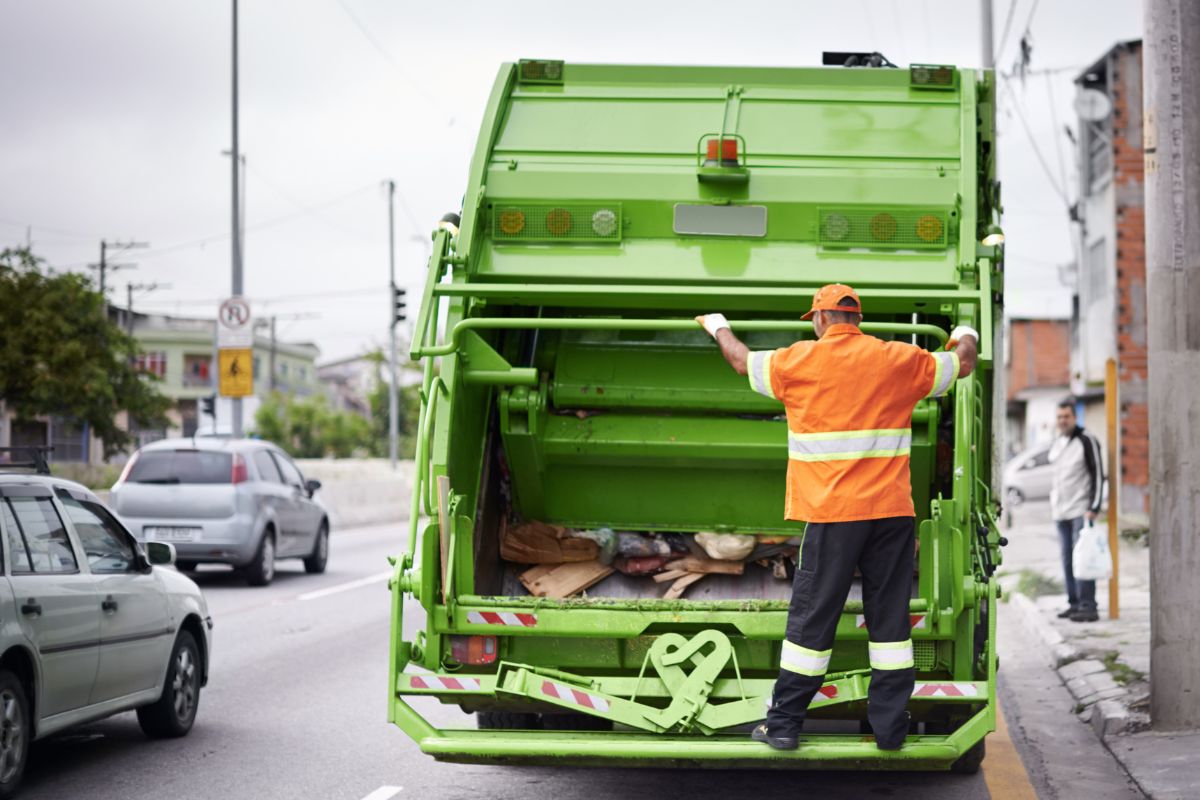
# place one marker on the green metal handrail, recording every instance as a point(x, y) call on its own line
point(603, 324)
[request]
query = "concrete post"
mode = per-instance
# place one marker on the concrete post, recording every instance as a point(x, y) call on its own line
point(1172, 144)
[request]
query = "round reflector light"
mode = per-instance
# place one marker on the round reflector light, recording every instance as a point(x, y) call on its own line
point(883, 227)
point(512, 222)
point(558, 221)
point(837, 227)
point(604, 222)
point(929, 228)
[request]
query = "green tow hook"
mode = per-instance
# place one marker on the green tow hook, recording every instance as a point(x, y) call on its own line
point(689, 691)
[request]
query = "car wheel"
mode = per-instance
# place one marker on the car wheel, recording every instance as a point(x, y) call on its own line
point(315, 563)
point(261, 569)
point(14, 732)
point(174, 712)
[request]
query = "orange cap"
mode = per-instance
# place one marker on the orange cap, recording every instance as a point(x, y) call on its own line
point(828, 297)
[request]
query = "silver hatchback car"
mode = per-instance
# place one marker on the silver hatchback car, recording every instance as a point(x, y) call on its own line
point(227, 501)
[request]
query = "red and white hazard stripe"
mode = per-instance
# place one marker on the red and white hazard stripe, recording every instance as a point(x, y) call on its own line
point(570, 694)
point(945, 690)
point(916, 620)
point(824, 695)
point(501, 618)
point(439, 683)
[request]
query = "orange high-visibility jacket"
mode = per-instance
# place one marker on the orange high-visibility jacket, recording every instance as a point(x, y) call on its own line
point(849, 399)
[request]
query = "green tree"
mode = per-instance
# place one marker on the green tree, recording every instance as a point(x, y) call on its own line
point(308, 428)
point(406, 420)
point(60, 355)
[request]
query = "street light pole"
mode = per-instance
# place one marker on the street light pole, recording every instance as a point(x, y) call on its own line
point(393, 389)
point(989, 56)
point(236, 225)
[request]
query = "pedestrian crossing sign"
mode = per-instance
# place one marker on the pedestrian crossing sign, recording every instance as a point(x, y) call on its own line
point(236, 369)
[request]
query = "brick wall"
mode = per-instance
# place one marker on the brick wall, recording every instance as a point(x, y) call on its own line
point(1040, 352)
point(1131, 280)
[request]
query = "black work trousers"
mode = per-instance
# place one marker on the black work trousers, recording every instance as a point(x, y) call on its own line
point(882, 550)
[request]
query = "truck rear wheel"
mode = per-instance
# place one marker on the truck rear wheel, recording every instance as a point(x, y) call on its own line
point(575, 722)
point(506, 720)
point(970, 762)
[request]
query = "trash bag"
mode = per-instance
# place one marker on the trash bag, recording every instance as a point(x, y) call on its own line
point(637, 545)
point(1091, 560)
point(727, 546)
point(605, 539)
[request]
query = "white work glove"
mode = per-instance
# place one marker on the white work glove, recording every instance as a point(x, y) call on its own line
point(958, 333)
point(713, 323)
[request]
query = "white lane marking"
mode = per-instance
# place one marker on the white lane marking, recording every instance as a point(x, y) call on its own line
point(383, 793)
point(346, 587)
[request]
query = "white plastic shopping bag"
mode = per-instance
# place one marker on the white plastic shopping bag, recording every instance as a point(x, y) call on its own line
point(1090, 559)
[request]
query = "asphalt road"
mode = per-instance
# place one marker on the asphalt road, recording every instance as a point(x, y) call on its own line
point(295, 709)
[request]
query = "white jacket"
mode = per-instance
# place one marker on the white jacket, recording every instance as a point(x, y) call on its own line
point(1078, 483)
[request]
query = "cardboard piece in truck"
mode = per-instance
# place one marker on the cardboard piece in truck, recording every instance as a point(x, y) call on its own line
point(539, 543)
point(563, 580)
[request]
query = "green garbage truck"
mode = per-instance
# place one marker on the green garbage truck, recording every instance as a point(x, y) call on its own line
point(580, 435)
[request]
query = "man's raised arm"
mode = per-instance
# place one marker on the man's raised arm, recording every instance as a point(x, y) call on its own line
point(734, 350)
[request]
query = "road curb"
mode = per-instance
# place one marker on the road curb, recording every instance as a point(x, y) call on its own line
point(1101, 701)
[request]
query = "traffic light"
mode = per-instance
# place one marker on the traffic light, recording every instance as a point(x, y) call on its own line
point(398, 304)
point(209, 405)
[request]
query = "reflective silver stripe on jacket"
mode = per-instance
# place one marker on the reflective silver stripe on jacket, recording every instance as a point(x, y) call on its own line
point(849, 445)
point(947, 367)
point(758, 369)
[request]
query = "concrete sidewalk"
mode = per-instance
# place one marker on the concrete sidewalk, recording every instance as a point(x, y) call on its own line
point(1105, 665)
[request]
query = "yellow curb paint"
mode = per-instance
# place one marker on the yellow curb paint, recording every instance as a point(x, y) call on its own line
point(1003, 771)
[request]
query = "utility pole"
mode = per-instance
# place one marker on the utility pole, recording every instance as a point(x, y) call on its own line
point(234, 194)
point(103, 268)
point(1171, 60)
point(989, 56)
point(271, 358)
point(130, 288)
point(393, 388)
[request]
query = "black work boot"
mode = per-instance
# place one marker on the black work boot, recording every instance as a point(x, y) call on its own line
point(760, 734)
point(1085, 615)
point(1071, 610)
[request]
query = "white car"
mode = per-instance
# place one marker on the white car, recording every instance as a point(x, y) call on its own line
point(91, 622)
point(1028, 475)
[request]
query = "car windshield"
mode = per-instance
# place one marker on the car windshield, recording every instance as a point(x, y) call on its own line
point(181, 466)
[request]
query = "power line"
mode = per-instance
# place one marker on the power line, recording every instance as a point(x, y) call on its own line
point(290, 198)
point(284, 298)
point(413, 84)
point(1012, 7)
point(216, 237)
point(1016, 105)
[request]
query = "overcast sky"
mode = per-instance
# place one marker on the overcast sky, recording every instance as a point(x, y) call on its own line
point(116, 114)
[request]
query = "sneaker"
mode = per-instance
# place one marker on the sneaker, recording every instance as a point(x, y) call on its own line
point(760, 734)
point(1085, 615)
point(1068, 613)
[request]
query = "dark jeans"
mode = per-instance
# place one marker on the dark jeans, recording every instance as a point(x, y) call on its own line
point(1080, 594)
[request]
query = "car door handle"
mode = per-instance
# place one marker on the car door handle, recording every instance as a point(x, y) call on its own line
point(31, 608)
point(109, 604)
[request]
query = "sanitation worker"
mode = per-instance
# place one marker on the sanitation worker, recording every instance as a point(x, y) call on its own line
point(849, 399)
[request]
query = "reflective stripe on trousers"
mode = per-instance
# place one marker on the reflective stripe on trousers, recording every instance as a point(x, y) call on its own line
point(891, 655)
point(803, 661)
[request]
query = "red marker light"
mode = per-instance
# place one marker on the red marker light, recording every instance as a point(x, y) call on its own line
point(724, 150)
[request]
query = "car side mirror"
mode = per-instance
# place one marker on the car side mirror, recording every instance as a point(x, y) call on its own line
point(311, 485)
point(160, 554)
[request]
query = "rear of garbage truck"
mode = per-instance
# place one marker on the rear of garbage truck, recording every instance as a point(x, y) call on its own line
point(585, 453)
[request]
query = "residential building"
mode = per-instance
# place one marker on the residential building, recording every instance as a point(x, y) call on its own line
point(179, 351)
point(1037, 355)
point(1110, 303)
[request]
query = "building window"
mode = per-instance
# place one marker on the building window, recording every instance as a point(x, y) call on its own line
point(154, 363)
point(283, 369)
point(197, 370)
point(303, 375)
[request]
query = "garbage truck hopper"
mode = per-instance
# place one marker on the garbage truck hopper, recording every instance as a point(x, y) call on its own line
point(584, 453)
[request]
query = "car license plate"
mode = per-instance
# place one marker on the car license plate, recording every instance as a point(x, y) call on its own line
point(169, 534)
